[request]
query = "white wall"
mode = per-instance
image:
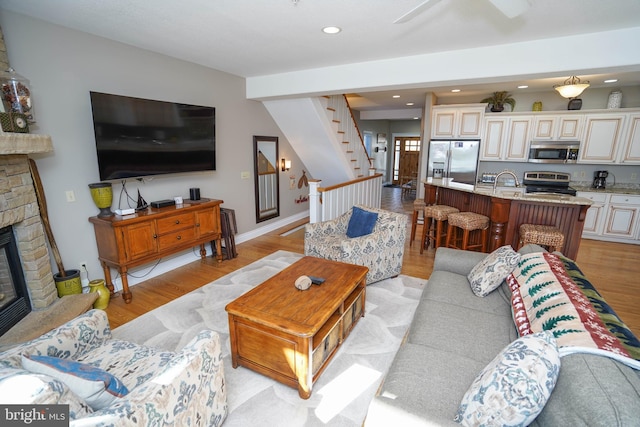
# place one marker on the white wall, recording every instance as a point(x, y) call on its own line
point(64, 65)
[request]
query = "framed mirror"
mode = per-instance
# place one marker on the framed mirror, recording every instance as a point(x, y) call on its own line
point(267, 185)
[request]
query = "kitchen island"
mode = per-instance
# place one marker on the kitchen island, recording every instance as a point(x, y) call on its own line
point(509, 207)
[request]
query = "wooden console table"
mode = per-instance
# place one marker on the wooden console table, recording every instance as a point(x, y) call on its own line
point(291, 335)
point(132, 240)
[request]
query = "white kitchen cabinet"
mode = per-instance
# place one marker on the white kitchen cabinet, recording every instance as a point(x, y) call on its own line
point(622, 216)
point(457, 121)
point(594, 220)
point(565, 127)
point(630, 153)
point(603, 133)
point(506, 138)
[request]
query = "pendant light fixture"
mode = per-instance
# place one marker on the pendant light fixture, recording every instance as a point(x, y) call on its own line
point(572, 87)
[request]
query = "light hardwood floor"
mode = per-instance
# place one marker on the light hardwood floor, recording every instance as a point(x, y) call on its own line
point(613, 268)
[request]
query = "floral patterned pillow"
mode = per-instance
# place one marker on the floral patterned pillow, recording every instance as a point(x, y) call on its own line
point(491, 271)
point(514, 387)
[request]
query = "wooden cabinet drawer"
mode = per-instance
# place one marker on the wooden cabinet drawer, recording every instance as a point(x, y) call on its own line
point(175, 222)
point(625, 199)
point(594, 197)
point(170, 240)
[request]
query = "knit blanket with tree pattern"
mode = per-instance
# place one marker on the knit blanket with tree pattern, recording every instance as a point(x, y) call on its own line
point(549, 292)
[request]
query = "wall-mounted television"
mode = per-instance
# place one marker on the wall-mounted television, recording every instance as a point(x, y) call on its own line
point(142, 137)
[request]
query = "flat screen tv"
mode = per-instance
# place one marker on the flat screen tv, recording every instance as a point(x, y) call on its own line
point(142, 137)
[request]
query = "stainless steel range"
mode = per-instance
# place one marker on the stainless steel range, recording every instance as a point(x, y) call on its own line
point(548, 182)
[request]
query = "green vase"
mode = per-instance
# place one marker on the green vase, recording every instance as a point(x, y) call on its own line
point(99, 287)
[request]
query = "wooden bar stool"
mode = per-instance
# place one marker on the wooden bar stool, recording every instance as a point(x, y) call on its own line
point(467, 222)
point(543, 235)
point(418, 207)
point(439, 214)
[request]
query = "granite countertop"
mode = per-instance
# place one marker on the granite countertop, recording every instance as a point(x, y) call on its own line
point(512, 193)
point(617, 189)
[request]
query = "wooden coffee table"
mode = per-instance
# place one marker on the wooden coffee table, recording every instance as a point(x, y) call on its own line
point(291, 335)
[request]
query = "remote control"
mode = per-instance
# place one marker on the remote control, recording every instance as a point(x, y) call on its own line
point(316, 280)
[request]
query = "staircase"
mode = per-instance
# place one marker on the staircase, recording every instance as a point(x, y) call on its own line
point(324, 135)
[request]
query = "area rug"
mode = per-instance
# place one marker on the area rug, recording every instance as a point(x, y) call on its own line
point(341, 395)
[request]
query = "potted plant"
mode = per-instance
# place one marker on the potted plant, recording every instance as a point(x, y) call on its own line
point(498, 99)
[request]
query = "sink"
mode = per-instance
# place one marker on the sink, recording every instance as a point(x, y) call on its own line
point(501, 191)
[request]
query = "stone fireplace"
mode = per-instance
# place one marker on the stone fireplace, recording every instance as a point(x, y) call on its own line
point(19, 208)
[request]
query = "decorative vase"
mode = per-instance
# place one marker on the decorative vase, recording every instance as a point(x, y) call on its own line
point(68, 283)
point(102, 195)
point(574, 104)
point(537, 106)
point(615, 99)
point(104, 295)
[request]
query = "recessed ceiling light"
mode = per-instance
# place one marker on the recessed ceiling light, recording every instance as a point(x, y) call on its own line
point(331, 30)
point(409, 103)
point(611, 81)
point(455, 90)
point(396, 96)
point(523, 87)
point(416, 118)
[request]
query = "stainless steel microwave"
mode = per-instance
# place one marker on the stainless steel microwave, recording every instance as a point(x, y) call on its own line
point(554, 151)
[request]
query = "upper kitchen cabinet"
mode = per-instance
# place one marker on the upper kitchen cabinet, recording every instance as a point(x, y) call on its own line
point(631, 142)
point(506, 138)
point(565, 127)
point(457, 121)
point(602, 136)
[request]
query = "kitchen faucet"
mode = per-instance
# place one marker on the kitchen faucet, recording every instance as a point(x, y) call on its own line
point(508, 172)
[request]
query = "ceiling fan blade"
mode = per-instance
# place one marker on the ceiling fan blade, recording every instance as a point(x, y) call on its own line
point(415, 11)
point(511, 8)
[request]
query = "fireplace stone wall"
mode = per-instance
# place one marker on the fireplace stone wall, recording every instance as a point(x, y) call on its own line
point(19, 207)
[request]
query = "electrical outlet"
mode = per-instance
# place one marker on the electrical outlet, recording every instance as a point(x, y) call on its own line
point(83, 265)
point(574, 175)
point(71, 196)
point(583, 174)
point(245, 175)
point(634, 176)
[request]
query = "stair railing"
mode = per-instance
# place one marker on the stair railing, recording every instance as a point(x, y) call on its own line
point(330, 202)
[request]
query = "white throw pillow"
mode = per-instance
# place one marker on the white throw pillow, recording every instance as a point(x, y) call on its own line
point(514, 387)
point(491, 271)
point(95, 386)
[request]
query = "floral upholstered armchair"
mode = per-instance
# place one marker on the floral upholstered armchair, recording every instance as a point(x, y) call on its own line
point(108, 382)
point(381, 250)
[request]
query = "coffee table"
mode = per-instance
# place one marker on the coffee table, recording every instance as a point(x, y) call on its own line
point(291, 335)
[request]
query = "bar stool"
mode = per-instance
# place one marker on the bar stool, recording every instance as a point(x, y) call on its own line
point(418, 206)
point(543, 235)
point(439, 214)
point(467, 222)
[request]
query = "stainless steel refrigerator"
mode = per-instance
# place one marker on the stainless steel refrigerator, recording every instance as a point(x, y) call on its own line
point(458, 159)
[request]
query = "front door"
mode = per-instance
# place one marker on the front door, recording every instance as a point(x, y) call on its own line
point(406, 159)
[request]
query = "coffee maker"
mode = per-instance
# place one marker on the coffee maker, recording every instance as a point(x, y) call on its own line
point(600, 179)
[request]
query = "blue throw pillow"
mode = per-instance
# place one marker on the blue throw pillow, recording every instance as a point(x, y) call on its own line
point(96, 386)
point(361, 222)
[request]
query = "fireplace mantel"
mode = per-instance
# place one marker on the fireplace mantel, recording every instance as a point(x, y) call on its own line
point(24, 143)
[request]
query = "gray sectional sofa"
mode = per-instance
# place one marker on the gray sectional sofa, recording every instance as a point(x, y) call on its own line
point(455, 334)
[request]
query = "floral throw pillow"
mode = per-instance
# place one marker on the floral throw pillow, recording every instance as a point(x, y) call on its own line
point(491, 271)
point(514, 387)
